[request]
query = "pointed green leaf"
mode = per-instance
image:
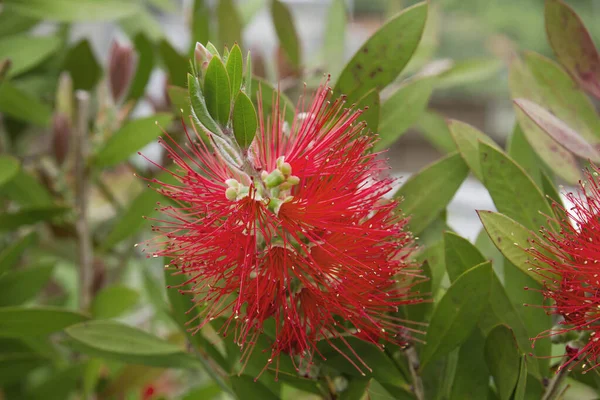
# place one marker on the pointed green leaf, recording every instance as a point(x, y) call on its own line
point(429, 191)
point(217, 91)
point(460, 255)
point(335, 37)
point(370, 104)
point(82, 66)
point(230, 23)
point(573, 45)
point(519, 149)
point(467, 140)
point(130, 138)
point(145, 64)
point(27, 51)
point(113, 301)
point(385, 54)
point(235, 69)
point(472, 377)
point(9, 167)
point(37, 321)
point(248, 77)
point(73, 10)
point(10, 255)
point(17, 287)
point(198, 106)
point(513, 192)
point(28, 216)
point(402, 109)
point(245, 121)
point(21, 105)
point(286, 31)
point(457, 313)
point(520, 390)
point(503, 360)
point(176, 64)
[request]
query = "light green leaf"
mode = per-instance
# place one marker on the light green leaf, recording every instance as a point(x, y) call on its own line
point(36, 321)
point(25, 51)
point(12, 23)
point(467, 140)
point(113, 301)
point(371, 107)
point(230, 23)
point(286, 31)
point(198, 106)
point(19, 104)
point(245, 121)
point(460, 255)
point(235, 69)
point(130, 138)
point(28, 216)
point(10, 255)
point(513, 192)
point(385, 54)
point(457, 313)
point(335, 37)
point(520, 390)
point(217, 91)
point(429, 191)
point(503, 360)
point(143, 22)
point(9, 167)
point(468, 71)
point(17, 287)
point(402, 110)
point(573, 45)
point(26, 190)
point(145, 63)
point(82, 66)
point(73, 10)
point(519, 149)
point(176, 64)
point(434, 128)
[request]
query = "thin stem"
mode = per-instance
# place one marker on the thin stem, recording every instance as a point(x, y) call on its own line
point(555, 386)
point(84, 240)
point(413, 366)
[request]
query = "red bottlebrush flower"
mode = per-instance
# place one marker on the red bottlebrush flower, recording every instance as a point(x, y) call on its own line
point(298, 232)
point(570, 258)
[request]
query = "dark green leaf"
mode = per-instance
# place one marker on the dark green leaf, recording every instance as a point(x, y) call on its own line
point(177, 65)
point(513, 192)
point(245, 387)
point(244, 121)
point(37, 321)
point(433, 126)
point(73, 10)
point(217, 91)
point(286, 31)
point(115, 341)
point(467, 140)
point(402, 110)
point(28, 216)
point(130, 138)
point(9, 167)
point(26, 51)
point(430, 190)
point(12, 23)
point(206, 392)
point(460, 255)
point(26, 190)
point(369, 103)
point(82, 66)
point(60, 385)
point(472, 377)
point(21, 105)
point(113, 301)
point(198, 107)
point(17, 287)
point(230, 23)
point(420, 311)
point(335, 37)
point(520, 390)
point(503, 360)
point(457, 312)
point(355, 390)
point(145, 63)
point(385, 54)
point(235, 69)
point(573, 45)
point(11, 254)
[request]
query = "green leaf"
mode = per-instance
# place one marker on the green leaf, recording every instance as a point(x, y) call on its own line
point(21, 105)
point(230, 23)
point(573, 45)
point(269, 97)
point(286, 31)
point(468, 71)
point(17, 287)
point(10, 255)
point(503, 360)
point(36, 321)
point(26, 52)
point(519, 149)
point(542, 81)
point(26, 190)
point(12, 23)
point(356, 387)
point(115, 341)
point(143, 23)
point(235, 69)
point(472, 377)
point(385, 54)
point(420, 311)
point(434, 128)
point(198, 106)
point(334, 39)
point(60, 385)
point(511, 238)
point(247, 86)
point(200, 23)
point(245, 387)
point(402, 110)
point(429, 191)
point(145, 64)
point(208, 391)
point(73, 10)
point(217, 91)
point(558, 130)
point(457, 313)
point(113, 301)
point(513, 192)
point(460, 255)
point(28, 216)
point(467, 139)
point(520, 390)
point(244, 121)
point(371, 114)
point(9, 167)
point(82, 66)
point(176, 64)
point(130, 138)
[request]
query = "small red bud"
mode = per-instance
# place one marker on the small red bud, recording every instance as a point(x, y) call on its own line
point(121, 66)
